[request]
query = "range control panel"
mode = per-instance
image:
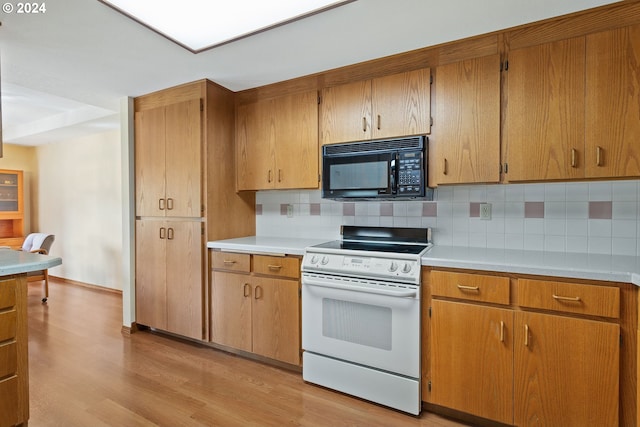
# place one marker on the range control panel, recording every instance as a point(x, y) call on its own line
point(406, 270)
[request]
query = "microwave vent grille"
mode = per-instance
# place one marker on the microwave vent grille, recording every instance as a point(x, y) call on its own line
point(415, 142)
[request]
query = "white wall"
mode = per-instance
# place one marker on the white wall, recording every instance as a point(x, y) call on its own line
point(600, 217)
point(79, 199)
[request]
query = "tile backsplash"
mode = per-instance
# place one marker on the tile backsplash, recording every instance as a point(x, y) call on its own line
point(588, 217)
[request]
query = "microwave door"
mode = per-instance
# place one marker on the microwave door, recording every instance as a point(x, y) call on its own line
point(363, 175)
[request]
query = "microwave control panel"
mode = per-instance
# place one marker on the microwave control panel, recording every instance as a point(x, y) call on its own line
point(410, 175)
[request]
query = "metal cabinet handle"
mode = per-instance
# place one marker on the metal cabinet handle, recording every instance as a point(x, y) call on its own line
point(257, 294)
point(279, 175)
point(163, 232)
point(161, 204)
point(501, 331)
point(169, 204)
point(364, 124)
point(269, 176)
point(574, 158)
point(274, 267)
point(229, 261)
point(526, 335)
point(469, 288)
point(247, 290)
point(170, 234)
point(379, 122)
point(598, 156)
point(561, 298)
point(444, 166)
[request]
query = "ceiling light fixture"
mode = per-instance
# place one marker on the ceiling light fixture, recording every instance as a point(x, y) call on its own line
point(199, 25)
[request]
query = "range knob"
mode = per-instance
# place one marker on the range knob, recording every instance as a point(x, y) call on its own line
point(325, 260)
point(406, 268)
point(393, 267)
point(314, 259)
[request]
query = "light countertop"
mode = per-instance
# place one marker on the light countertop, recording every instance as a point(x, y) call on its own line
point(614, 268)
point(16, 262)
point(265, 245)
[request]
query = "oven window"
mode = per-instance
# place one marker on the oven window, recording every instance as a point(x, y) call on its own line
point(364, 324)
point(368, 175)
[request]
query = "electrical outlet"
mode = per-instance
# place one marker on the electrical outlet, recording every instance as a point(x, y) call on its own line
point(289, 211)
point(485, 210)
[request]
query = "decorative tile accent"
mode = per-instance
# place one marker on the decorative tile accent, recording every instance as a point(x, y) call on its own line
point(474, 210)
point(314, 209)
point(283, 209)
point(259, 209)
point(430, 209)
point(600, 210)
point(349, 209)
point(386, 209)
point(534, 209)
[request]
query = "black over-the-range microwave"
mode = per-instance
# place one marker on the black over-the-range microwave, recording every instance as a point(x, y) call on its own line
point(376, 170)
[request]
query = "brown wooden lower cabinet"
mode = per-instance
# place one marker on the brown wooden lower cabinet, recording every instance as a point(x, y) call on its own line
point(255, 304)
point(14, 359)
point(552, 353)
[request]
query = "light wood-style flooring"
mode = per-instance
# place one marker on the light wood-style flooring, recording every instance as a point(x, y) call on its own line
point(84, 372)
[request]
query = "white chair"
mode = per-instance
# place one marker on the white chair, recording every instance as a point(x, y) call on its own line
point(39, 243)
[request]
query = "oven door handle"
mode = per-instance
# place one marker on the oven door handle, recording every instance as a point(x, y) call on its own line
point(325, 284)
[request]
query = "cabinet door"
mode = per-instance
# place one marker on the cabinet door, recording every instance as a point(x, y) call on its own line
point(151, 285)
point(566, 371)
point(544, 124)
point(185, 303)
point(231, 295)
point(255, 134)
point(183, 165)
point(296, 124)
point(472, 359)
point(276, 319)
point(613, 104)
point(467, 122)
point(401, 104)
point(346, 113)
point(150, 162)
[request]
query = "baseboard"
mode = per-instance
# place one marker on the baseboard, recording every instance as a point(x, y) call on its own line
point(84, 285)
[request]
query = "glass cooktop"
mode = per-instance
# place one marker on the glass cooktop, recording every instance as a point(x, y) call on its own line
point(400, 248)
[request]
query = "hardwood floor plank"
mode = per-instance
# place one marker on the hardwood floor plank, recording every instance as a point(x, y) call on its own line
point(84, 372)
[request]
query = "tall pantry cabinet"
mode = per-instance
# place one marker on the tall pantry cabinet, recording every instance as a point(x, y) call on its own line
point(185, 195)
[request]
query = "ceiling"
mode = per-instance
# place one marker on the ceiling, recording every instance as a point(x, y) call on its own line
point(65, 71)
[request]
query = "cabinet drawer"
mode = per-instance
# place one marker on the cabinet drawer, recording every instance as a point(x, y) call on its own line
point(8, 359)
point(7, 325)
point(474, 287)
point(9, 401)
point(7, 293)
point(231, 261)
point(276, 266)
point(569, 297)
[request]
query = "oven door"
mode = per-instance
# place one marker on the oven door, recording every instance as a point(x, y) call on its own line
point(378, 328)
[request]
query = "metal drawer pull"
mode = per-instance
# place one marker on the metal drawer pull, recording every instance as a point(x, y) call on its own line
point(501, 331)
point(274, 267)
point(469, 288)
point(526, 335)
point(161, 204)
point(163, 232)
point(247, 290)
point(229, 261)
point(258, 292)
point(169, 204)
point(561, 298)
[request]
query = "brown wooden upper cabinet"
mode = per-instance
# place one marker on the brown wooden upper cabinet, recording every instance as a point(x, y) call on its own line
point(612, 145)
point(572, 108)
point(167, 152)
point(385, 107)
point(277, 143)
point(465, 142)
point(544, 127)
